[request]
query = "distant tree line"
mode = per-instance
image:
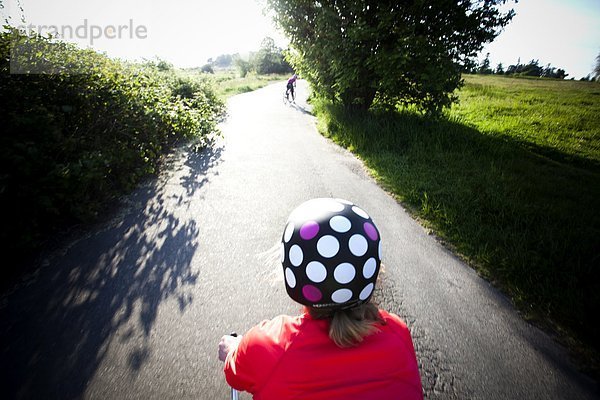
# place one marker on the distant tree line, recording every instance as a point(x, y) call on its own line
point(269, 59)
point(532, 68)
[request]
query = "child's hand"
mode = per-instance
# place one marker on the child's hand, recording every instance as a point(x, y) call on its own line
point(228, 343)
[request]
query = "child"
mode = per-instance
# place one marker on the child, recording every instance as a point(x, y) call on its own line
point(291, 84)
point(342, 346)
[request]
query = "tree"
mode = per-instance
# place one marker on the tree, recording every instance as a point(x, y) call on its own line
point(355, 51)
point(560, 74)
point(484, 67)
point(499, 69)
point(533, 68)
point(596, 71)
point(223, 61)
point(269, 59)
point(163, 65)
point(242, 65)
point(207, 68)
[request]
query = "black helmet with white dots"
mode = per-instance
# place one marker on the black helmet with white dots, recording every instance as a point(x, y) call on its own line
point(331, 254)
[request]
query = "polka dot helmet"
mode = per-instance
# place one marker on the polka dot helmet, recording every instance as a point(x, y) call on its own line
point(331, 254)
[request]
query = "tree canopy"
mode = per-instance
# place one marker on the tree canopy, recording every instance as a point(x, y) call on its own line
point(269, 59)
point(358, 51)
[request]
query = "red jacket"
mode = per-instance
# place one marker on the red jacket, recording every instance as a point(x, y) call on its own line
point(293, 358)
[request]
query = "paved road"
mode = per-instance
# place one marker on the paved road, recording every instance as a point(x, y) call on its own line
point(134, 309)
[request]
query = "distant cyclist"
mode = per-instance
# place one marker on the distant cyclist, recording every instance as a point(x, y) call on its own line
point(291, 84)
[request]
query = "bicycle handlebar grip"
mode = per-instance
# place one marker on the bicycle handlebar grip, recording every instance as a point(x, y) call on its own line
point(234, 393)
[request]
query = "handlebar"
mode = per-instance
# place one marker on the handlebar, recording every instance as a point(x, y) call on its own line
point(235, 395)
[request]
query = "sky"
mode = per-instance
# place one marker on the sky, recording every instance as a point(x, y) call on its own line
point(183, 32)
point(564, 33)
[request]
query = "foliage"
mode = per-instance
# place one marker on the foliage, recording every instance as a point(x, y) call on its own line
point(533, 68)
point(159, 64)
point(227, 83)
point(80, 128)
point(223, 61)
point(596, 71)
point(207, 68)
point(269, 59)
point(510, 179)
point(411, 52)
point(484, 67)
point(163, 65)
point(243, 66)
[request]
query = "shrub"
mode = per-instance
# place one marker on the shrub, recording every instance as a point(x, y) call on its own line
point(83, 130)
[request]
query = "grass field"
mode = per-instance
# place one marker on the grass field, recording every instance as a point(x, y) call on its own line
point(228, 83)
point(509, 179)
point(560, 119)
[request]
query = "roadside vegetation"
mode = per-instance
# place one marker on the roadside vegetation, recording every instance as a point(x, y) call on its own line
point(80, 129)
point(228, 82)
point(233, 74)
point(509, 178)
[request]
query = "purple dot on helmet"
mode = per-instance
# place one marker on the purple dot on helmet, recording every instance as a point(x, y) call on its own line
point(311, 293)
point(309, 230)
point(370, 231)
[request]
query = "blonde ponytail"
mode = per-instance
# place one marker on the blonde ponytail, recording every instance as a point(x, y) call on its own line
point(347, 328)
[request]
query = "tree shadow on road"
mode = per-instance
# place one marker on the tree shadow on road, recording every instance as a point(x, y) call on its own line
point(104, 288)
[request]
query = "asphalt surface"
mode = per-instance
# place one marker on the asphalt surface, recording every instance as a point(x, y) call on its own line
point(135, 308)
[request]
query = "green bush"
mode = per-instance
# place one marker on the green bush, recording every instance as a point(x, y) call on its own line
point(81, 129)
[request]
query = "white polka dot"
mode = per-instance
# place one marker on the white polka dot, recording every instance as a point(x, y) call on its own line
point(316, 271)
point(359, 211)
point(289, 230)
point(332, 205)
point(341, 295)
point(344, 273)
point(326, 204)
point(366, 292)
point(282, 252)
point(290, 278)
point(328, 246)
point(340, 224)
point(369, 268)
point(315, 209)
point(380, 255)
point(296, 255)
point(358, 245)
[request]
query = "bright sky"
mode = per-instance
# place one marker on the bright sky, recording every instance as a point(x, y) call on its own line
point(184, 32)
point(563, 33)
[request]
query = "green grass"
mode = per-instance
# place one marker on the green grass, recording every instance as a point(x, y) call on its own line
point(559, 119)
point(510, 179)
point(228, 83)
